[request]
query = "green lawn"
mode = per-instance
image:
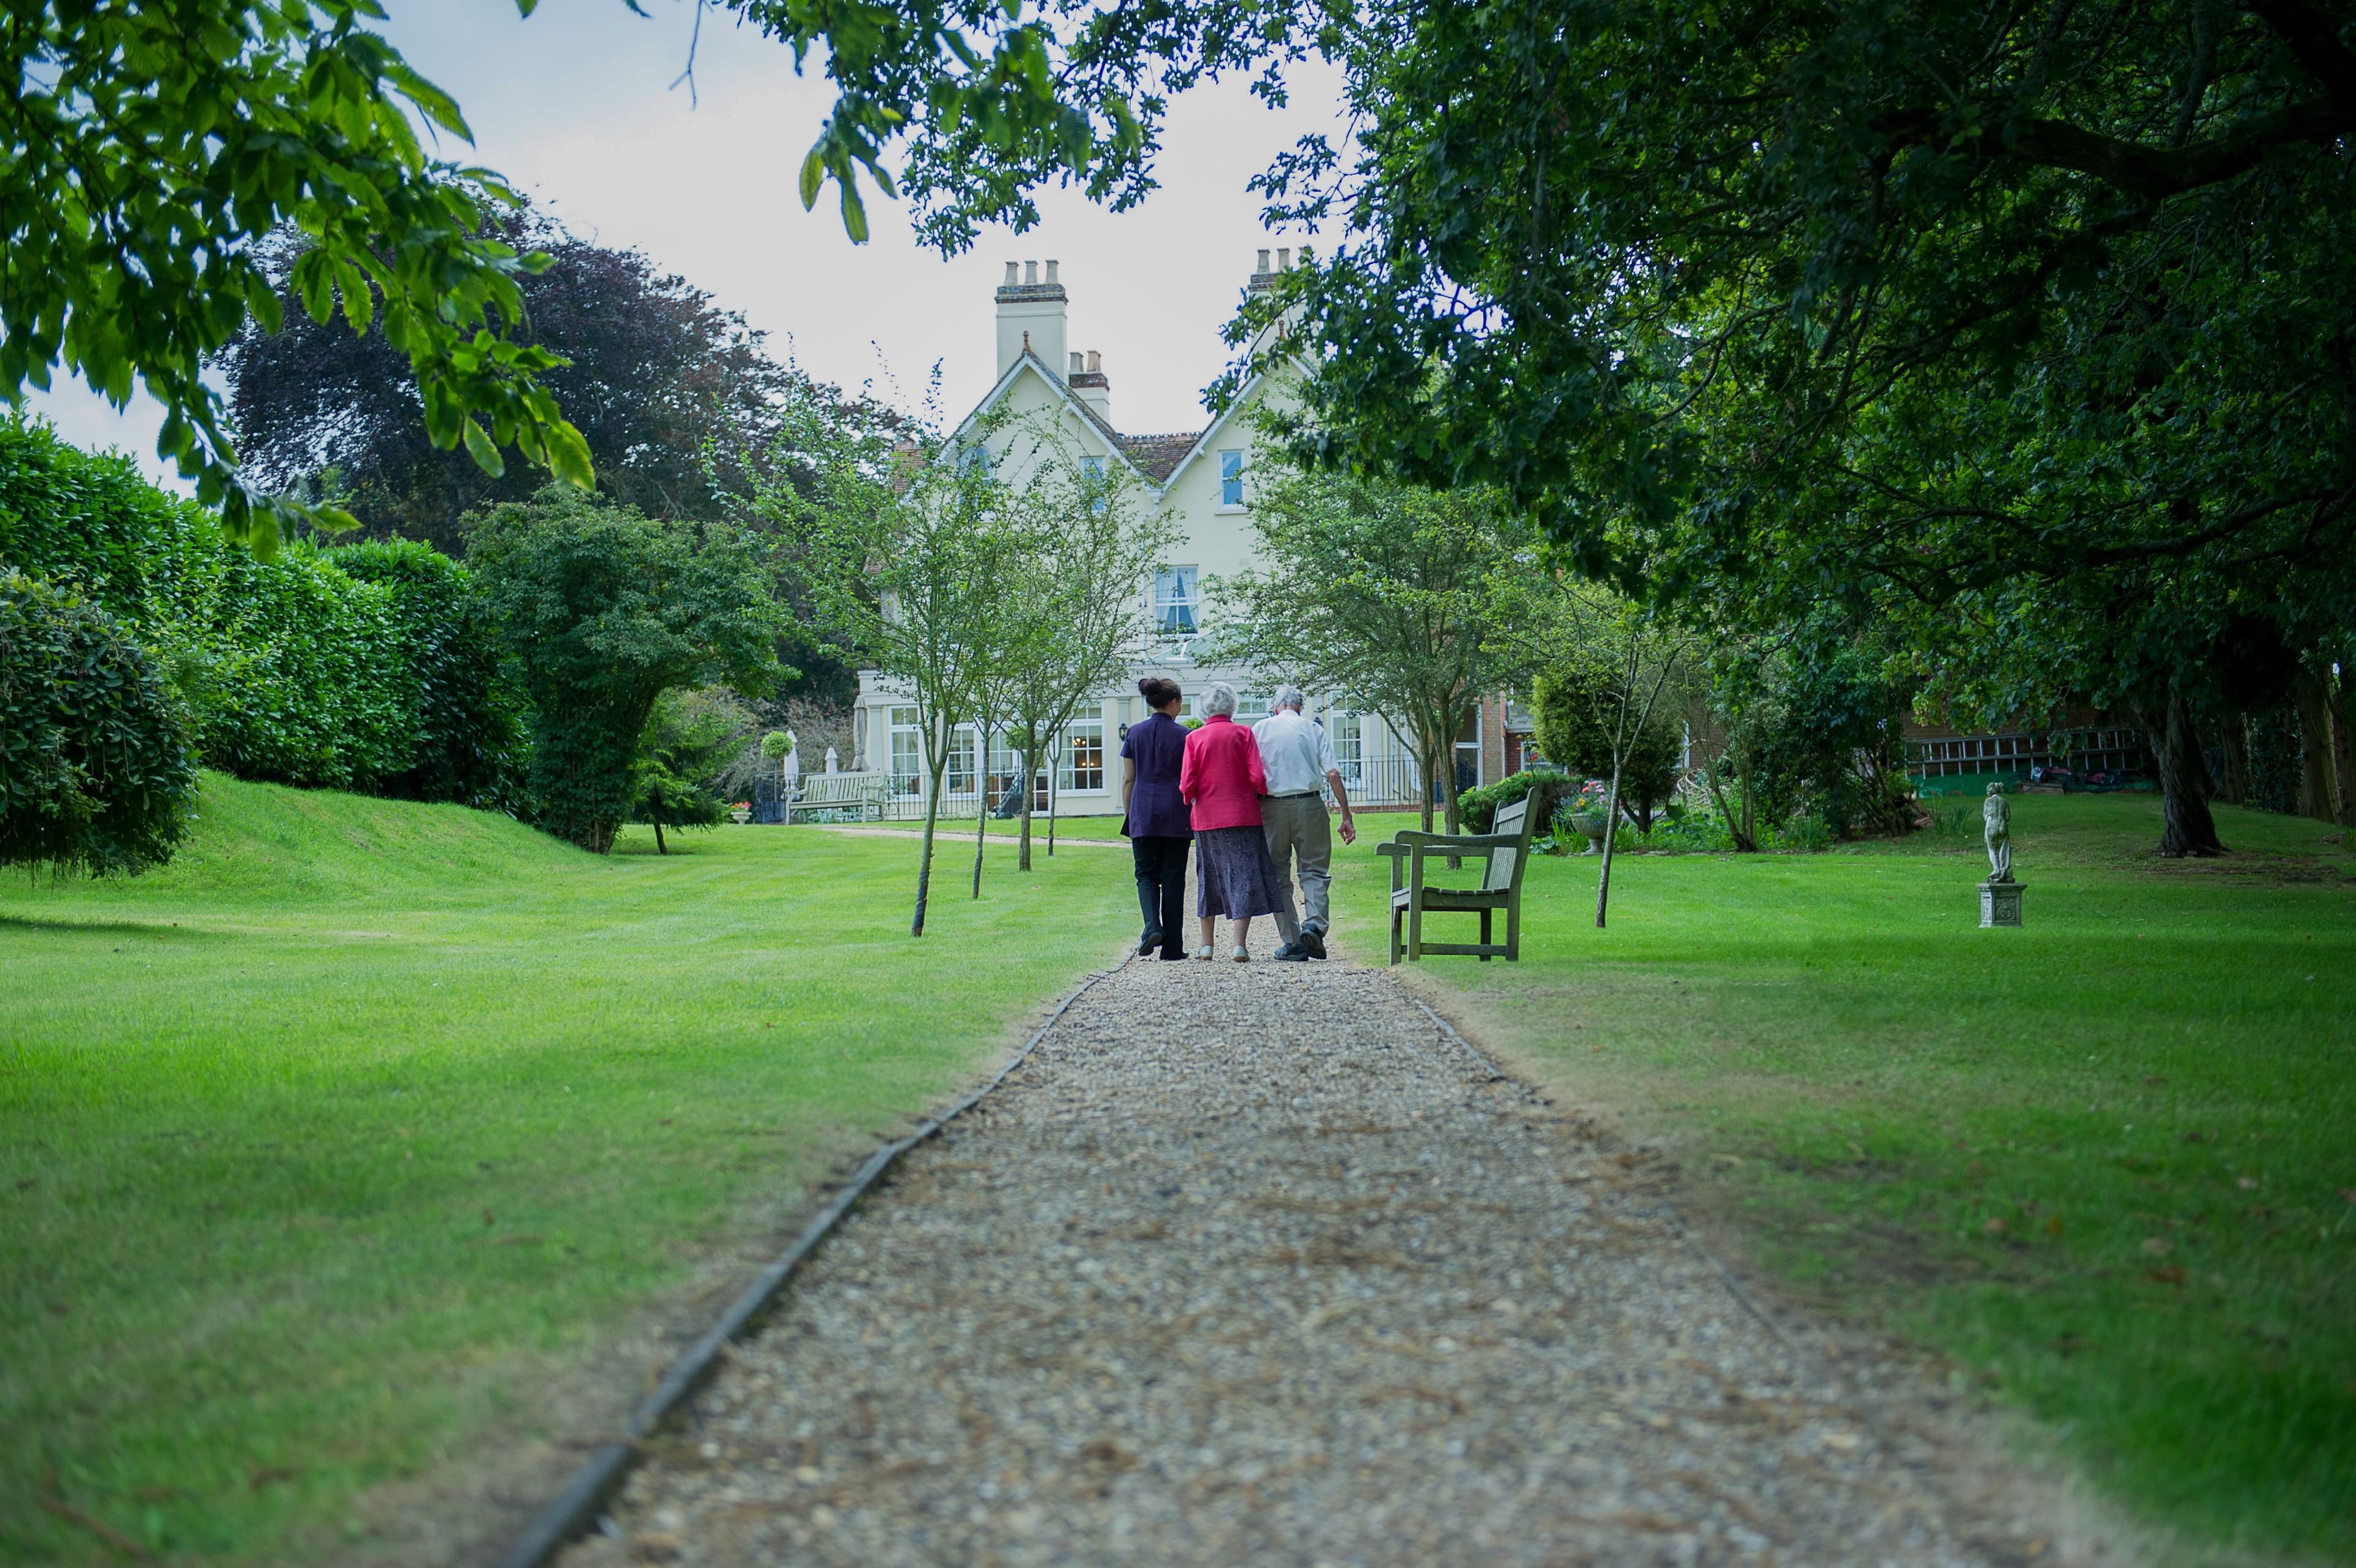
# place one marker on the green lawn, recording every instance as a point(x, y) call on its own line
point(2107, 1162)
point(320, 1147)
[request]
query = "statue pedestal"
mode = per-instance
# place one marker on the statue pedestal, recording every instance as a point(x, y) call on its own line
point(2000, 903)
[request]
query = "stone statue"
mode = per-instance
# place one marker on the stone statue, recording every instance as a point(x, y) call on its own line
point(1997, 815)
point(833, 760)
point(793, 767)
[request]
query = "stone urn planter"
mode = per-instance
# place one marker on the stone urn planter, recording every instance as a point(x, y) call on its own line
point(1589, 823)
point(739, 813)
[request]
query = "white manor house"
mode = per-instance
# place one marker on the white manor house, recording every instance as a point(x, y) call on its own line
point(1199, 480)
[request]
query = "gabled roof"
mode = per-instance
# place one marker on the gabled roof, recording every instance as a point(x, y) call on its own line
point(1201, 443)
point(1121, 446)
point(1157, 456)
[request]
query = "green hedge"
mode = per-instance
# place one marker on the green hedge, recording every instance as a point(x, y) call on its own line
point(365, 668)
point(1478, 807)
point(95, 769)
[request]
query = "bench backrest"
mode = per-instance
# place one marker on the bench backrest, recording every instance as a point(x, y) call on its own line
point(846, 788)
point(1505, 870)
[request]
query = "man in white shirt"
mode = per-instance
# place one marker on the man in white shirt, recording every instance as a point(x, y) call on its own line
point(1298, 758)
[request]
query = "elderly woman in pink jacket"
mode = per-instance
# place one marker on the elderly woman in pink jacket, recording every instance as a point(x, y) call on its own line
point(1222, 780)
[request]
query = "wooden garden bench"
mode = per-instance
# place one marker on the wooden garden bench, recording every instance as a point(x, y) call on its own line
point(863, 793)
point(1503, 854)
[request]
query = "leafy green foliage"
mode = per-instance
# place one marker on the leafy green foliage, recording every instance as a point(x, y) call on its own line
point(469, 728)
point(1383, 592)
point(95, 768)
point(605, 610)
point(1478, 807)
point(151, 149)
point(1574, 706)
point(677, 400)
point(366, 669)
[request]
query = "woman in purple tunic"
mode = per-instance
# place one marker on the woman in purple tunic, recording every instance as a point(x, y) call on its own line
point(1157, 821)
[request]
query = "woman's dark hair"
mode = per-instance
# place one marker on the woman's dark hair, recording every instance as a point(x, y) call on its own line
point(1160, 691)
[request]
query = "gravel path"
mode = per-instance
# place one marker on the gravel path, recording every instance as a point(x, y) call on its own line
point(1256, 1264)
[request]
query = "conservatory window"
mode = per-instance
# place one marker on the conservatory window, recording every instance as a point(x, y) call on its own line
point(1175, 600)
point(907, 752)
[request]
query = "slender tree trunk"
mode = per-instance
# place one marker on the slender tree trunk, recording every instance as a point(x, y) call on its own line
point(659, 847)
point(1055, 767)
point(2318, 789)
point(925, 858)
point(1030, 775)
point(1739, 831)
point(981, 830)
point(2343, 754)
point(2189, 829)
point(2233, 760)
point(1611, 836)
point(1430, 777)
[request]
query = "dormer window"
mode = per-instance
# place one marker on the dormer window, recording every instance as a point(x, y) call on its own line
point(1231, 478)
point(1175, 602)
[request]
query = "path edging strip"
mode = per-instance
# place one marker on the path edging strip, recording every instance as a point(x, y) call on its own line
point(570, 1514)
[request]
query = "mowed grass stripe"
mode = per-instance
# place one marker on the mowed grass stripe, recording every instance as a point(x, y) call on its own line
point(318, 1146)
point(2104, 1162)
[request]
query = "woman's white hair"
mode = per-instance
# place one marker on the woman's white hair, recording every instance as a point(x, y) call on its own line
point(1289, 695)
point(1220, 698)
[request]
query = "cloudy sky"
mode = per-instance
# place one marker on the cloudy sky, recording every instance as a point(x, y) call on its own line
point(575, 105)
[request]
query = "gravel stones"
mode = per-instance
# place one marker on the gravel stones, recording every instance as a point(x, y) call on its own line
point(1256, 1264)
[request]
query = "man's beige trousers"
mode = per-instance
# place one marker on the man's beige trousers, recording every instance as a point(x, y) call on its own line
point(1296, 826)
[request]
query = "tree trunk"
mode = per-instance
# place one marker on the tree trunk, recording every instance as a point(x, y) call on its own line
point(1030, 775)
point(1611, 834)
point(2318, 787)
point(659, 847)
point(924, 860)
point(2189, 829)
point(2343, 755)
point(1739, 831)
point(980, 827)
point(1430, 777)
point(2233, 761)
point(1054, 766)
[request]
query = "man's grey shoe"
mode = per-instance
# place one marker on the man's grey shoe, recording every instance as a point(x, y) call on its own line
point(1292, 953)
point(1312, 944)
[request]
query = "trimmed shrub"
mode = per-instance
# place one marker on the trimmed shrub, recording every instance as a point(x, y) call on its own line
point(366, 668)
point(470, 725)
point(95, 769)
point(1477, 808)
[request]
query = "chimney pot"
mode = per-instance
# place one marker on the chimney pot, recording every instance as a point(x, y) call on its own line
point(1013, 274)
point(1051, 272)
point(1284, 259)
point(1096, 362)
point(1263, 263)
point(1030, 271)
point(1076, 366)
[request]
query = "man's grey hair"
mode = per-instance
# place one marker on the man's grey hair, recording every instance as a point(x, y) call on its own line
point(1220, 698)
point(1290, 696)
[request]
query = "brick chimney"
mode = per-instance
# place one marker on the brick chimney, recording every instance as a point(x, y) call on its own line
point(1089, 385)
point(1032, 306)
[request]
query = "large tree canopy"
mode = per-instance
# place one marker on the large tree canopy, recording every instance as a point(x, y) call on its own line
point(2026, 326)
point(151, 147)
point(673, 395)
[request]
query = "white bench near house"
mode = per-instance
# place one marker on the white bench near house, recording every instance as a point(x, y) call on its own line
point(865, 792)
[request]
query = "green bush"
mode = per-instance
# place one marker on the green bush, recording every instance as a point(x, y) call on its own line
point(605, 610)
point(368, 668)
point(470, 726)
point(95, 770)
point(1571, 705)
point(1477, 808)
